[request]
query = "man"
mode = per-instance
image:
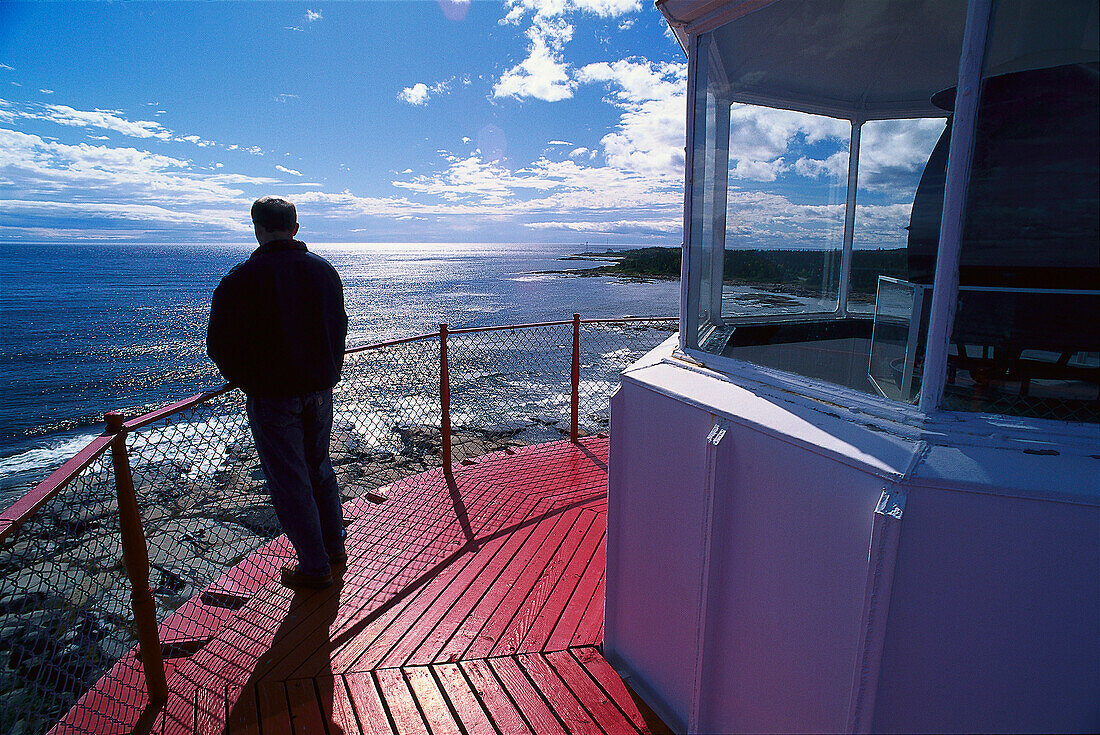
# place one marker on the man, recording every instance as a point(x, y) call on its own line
point(277, 330)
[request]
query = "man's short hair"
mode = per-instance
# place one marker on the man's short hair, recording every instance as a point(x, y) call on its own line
point(274, 214)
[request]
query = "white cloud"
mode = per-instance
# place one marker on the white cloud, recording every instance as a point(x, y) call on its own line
point(200, 142)
point(142, 215)
point(760, 138)
point(613, 227)
point(543, 75)
point(5, 67)
point(285, 97)
point(578, 152)
point(454, 9)
point(834, 167)
point(59, 183)
point(895, 148)
point(603, 8)
point(419, 93)
point(46, 91)
point(558, 142)
point(649, 138)
point(110, 120)
point(286, 170)
point(313, 16)
point(415, 95)
point(104, 119)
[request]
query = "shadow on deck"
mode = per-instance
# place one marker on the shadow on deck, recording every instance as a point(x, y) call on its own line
point(472, 606)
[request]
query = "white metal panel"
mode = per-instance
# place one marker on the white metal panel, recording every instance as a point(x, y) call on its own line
point(655, 512)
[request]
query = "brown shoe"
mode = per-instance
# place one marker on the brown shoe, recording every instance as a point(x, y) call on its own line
point(296, 579)
point(338, 561)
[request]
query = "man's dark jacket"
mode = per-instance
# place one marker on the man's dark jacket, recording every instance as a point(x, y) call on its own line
point(277, 322)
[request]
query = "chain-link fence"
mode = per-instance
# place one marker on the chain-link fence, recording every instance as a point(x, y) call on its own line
point(66, 617)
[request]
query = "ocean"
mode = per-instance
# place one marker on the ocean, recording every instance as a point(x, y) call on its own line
point(91, 328)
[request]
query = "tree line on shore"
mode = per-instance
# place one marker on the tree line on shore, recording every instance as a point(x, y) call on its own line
point(786, 268)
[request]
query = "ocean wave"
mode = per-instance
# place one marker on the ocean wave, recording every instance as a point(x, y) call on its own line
point(46, 457)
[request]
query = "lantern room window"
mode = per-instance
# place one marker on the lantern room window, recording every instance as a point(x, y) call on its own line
point(837, 234)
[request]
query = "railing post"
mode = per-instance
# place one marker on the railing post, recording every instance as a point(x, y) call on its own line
point(445, 398)
point(136, 557)
point(575, 380)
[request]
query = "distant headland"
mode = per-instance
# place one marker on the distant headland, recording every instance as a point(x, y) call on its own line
point(786, 270)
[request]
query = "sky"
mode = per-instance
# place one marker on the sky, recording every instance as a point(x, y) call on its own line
point(558, 121)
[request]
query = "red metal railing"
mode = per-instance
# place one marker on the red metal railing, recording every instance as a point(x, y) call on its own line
point(133, 539)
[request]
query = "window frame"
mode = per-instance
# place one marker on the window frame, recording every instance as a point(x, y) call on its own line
point(945, 283)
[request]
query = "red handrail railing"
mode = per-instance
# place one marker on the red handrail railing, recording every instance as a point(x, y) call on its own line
point(135, 550)
point(445, 399)
point(135, 555)
point(26, 506)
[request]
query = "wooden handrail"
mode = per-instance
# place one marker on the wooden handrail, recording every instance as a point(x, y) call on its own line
point(25, 507)
point(174, 408)
point(575, 380)
point(135, 554)
point(445, 399)
point(28, 504)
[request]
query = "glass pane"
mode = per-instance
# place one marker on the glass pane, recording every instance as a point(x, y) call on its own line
point(897, 343)
point(776, 92)
point(892, 158)
point(1026, 337)
point(784, 187)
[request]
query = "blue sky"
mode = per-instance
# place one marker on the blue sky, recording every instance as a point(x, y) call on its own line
point(514, 120)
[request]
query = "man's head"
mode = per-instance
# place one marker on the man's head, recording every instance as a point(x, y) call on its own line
point(274, 219)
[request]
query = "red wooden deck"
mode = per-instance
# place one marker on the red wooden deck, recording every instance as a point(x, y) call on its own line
point(472, 607)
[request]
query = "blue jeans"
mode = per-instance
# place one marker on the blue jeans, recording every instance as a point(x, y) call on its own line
point(292, 437)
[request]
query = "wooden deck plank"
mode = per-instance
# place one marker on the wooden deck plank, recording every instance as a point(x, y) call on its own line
point(237, 585)
point(418, 645)
point(190, 627)
point(586, 557)
point(354, 579)
point(336, 705)
point(471, 715)
point(594, 699)
point(116, 699)
point(570, 621)
point(179, 714)
point(608, 679)
point(376, 648)
point(563, 701)
point(527, 698)
point(427, 633)
point(400, 702)
point(531, 629)
point(367, 701)
point(304, 708)
point(590, 629)
point(433, 704)
point(323, 609)
point(495, 699)
point(272, 704)
point(210, 712)
point(244, 713)
point(479, 631)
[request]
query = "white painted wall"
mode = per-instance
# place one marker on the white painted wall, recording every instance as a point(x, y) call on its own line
point(969, 601)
